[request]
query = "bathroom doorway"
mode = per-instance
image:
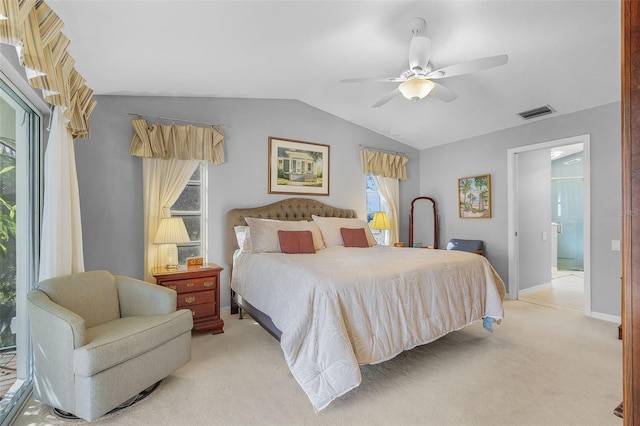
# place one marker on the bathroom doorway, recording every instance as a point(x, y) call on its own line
point(568, 282)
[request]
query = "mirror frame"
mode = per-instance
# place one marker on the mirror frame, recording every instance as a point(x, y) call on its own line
point(435, 221)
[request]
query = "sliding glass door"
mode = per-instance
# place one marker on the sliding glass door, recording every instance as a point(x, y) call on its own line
point(20, 161)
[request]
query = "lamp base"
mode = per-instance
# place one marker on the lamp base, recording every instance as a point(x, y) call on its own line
point(171, 256)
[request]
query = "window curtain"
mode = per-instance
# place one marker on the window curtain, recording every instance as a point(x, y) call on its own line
point(389, 189)
point(36, 32)
point(61, 243)
point(163, 182)
point(170, 155)
point(387, 170)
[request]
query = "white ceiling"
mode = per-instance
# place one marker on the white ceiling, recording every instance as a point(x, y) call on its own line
point(562, 53)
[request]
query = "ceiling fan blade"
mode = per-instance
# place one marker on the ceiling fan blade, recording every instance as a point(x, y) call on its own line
point(373, 79)
point(386, 98)
point(419, 52)
point(469, 66)
point(442, 92)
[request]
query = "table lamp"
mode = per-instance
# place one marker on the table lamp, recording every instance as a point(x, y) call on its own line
point(171, 232)
point(380, 222)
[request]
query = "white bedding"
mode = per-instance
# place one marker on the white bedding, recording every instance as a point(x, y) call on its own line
point(342, 307)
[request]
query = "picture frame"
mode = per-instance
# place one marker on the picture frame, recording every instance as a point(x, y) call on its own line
point(297, 167)
point(474, 197)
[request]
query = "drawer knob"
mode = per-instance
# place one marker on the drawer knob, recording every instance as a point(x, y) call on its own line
point(172, 286)
point(190, 299)
point(208, 283)
point(190, 284)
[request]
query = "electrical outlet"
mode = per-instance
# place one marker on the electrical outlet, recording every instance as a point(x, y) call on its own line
point(544, 236)
point(615, 245)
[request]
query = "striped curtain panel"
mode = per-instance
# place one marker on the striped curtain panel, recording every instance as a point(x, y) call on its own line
point(383, 164)
point(176, 142)
point(35, 30)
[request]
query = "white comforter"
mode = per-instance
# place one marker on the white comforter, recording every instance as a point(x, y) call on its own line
point(344, 306)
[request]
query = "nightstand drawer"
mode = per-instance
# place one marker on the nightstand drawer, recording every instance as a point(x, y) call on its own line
point(189, 299)
point(201, 311)
point(194, 284)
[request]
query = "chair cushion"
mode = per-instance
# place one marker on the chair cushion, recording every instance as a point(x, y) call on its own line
point(122, 339)
point(465, 245)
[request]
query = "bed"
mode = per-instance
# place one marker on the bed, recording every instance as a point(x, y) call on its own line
point(345, 306)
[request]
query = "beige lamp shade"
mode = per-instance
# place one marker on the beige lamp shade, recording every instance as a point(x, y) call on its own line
point(171, 231)
point(380, 221)
point(416, 88)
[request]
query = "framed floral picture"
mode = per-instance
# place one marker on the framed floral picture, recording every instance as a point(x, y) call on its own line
point(474, 197)
point(297, 167)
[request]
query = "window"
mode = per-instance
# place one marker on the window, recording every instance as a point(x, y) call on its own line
point(20, 195)
point(373, 198)
point(374, 204)
point(191, 207)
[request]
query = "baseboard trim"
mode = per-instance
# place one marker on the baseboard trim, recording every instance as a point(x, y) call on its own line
point(606, 317)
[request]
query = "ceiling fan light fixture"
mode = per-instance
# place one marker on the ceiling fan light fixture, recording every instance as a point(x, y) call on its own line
point(416, 88)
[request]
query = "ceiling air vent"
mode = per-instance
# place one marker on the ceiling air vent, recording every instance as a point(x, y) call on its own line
point(536, 112)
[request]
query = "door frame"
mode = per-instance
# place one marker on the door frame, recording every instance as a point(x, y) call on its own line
point(512, 212)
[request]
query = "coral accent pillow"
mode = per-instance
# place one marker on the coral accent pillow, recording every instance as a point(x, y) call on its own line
point(296, 242)
point(354, 237)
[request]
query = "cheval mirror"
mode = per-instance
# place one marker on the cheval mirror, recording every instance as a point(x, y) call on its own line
point(423, 209)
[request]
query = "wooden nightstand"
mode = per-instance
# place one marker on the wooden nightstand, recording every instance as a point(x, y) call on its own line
point(198, 290)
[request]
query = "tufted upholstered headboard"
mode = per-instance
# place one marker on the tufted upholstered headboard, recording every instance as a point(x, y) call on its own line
point(288, 209)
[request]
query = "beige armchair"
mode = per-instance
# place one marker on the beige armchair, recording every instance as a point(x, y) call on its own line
point(100, 339)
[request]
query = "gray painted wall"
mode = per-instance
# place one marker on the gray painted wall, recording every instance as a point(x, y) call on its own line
point(441, 167)
point(534, 217)
point(110, 179)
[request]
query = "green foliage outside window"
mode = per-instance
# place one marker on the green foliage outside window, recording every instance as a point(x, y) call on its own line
point(7, 246)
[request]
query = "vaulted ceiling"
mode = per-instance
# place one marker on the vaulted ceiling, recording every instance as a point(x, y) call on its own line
point(562, 53)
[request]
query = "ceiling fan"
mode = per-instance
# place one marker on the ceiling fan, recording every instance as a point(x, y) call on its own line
point(418, 81)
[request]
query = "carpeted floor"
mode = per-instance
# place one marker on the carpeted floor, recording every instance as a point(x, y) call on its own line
point(542, 366)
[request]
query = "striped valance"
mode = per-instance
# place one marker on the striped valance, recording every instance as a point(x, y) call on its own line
point(172, 141)
point(35, 30)
point(383, 164)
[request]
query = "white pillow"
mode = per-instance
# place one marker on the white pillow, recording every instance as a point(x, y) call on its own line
point(330, 228)
point(264, 233)
point(242, 237)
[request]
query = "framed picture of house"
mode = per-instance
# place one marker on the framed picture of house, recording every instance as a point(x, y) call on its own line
point(297, 167)
point(474, 197)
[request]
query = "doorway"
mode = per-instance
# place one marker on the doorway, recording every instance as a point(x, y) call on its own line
point(566, 238)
